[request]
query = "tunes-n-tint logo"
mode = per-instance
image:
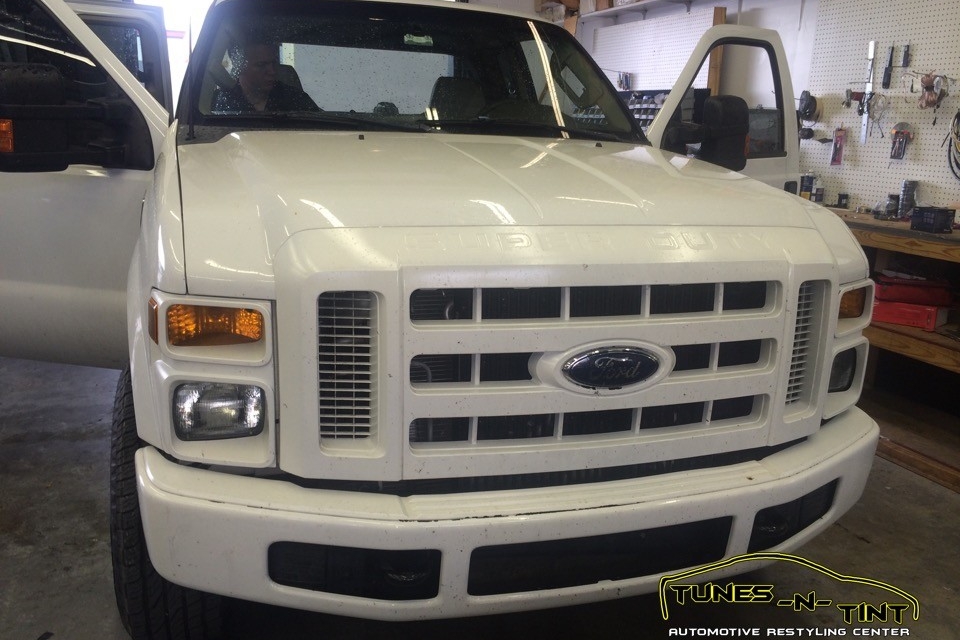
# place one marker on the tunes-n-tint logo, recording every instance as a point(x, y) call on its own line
point(891, 605)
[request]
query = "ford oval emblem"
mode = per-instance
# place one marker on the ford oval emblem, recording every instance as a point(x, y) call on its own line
point(611, 367)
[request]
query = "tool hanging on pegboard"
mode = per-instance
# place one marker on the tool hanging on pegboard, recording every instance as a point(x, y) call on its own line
point(953, 151)
point(887, 71)
point(901, 136)
point(863, 108)
point(810, 111)
point(879, 104)
point(934, 88)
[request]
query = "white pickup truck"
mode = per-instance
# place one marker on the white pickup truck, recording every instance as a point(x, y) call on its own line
point(414, 320)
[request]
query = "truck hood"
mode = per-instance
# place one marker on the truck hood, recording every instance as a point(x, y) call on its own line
point(245, 195)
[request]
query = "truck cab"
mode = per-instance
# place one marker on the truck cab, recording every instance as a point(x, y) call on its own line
point(413, 319)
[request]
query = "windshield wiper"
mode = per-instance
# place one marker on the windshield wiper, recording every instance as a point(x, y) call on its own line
point(481, 121)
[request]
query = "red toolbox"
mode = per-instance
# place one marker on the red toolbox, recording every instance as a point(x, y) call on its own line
point(926, 317)
point(934, 293)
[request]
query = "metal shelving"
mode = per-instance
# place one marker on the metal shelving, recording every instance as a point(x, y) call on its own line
point(640, 6)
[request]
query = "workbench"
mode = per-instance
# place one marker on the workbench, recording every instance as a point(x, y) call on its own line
point(927, 449)
point(896, 236)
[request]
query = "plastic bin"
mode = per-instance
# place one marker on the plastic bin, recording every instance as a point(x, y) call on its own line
point(932, 219)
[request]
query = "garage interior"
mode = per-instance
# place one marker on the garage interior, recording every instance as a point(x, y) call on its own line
point(55, 571)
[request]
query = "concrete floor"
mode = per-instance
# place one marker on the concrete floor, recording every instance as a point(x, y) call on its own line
point(55, 575)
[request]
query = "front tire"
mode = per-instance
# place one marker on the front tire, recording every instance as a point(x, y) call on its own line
point(151, 607)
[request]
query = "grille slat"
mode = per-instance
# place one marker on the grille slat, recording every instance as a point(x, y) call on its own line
point(547, 303)
point(346, 367)
point(802, 343)
point(611, 422)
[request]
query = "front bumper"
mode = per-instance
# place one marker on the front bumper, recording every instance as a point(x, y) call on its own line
point(212, 531)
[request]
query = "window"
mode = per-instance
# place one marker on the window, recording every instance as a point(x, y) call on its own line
point(418, 68)
point(30, 36)
point(45, 66)
point(137, 47)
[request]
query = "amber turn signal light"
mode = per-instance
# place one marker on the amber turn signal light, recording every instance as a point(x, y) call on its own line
point(852, 303)
point(200, 326)
point(6, 136)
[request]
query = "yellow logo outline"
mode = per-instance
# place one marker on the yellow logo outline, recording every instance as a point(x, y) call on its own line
point(772, 555)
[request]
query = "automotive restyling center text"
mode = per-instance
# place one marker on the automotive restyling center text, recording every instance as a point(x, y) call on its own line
point(796, 632)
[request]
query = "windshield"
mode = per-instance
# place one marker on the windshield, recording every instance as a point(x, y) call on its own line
point(375, 65)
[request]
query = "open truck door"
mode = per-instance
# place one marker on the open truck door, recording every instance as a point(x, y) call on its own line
point(79, 138)
point(753, 130)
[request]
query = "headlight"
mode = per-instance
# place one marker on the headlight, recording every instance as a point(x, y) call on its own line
point(842, 371)
point(216, 410)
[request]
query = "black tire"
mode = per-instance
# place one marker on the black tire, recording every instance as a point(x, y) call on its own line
point(151, 607)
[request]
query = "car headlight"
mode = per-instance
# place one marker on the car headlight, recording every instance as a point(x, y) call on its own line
point(217, 410)
point(843, 370)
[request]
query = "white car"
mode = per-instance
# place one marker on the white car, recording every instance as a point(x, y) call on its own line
point(414, 320)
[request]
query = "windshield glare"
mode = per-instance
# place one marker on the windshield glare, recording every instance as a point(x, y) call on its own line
point(399, 66)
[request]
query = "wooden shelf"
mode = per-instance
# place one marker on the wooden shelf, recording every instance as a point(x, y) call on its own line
point(925, 346)
point(916, 437)
point(926, 449)
point(893, 235)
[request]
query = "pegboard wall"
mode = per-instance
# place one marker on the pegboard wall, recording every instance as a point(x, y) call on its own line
point(844, 31)
point(652, 60)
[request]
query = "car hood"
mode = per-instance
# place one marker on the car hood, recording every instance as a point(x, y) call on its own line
point(247, 194)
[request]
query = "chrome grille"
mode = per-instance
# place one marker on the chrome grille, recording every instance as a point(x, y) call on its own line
point(346, 357)
point(802, 342)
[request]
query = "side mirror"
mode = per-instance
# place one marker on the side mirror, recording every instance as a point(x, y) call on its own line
point(679, 134)
point(31, 142)
point(41, 131)
point(726, 123)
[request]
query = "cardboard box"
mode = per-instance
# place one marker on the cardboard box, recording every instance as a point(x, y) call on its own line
point(910, 315)
point(539, 5)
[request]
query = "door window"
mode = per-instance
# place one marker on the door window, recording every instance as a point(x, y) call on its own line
point(757, 82)
point(62, 106)
point(136, 46)
point(30, 35)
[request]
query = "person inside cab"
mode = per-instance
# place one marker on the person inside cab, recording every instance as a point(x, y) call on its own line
point(256, 66)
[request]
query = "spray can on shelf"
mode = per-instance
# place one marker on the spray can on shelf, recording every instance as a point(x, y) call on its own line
point(806, 185)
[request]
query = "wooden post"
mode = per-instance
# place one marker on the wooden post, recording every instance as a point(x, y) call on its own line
point(716, 56)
